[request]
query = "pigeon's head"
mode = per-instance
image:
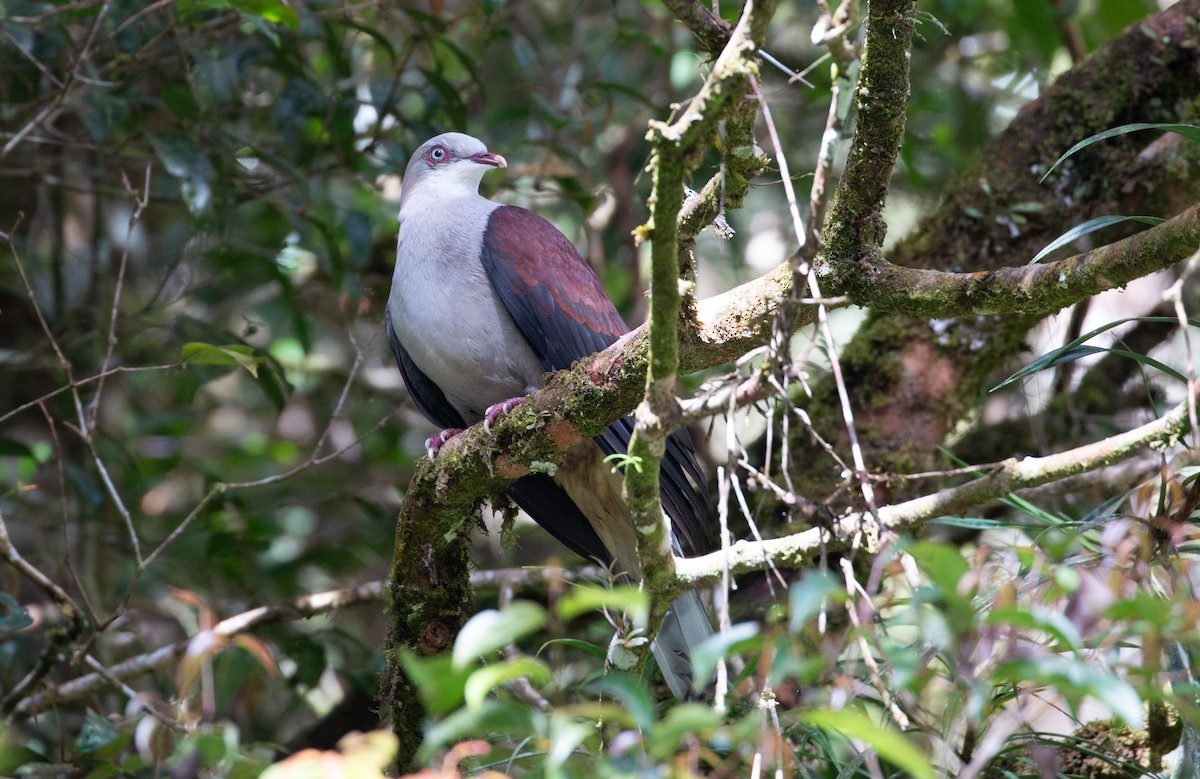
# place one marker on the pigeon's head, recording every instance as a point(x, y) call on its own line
point(450, 161)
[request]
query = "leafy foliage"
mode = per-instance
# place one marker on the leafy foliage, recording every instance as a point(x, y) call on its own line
point(198, 417)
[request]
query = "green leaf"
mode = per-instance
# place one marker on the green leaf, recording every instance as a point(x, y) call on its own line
point(1142, 609)
point(490, 630)
point(97, 731)
point(270, 10)
point(809, 595)
point(13, 616)
point(1191, 132)
point(944, 564)
point(514, 719)
point(585, 598)
point(1075, 678)
point(705, 655)
point(540, 466)
point(488, 678)
point(635, 697)
point(683, 720)
point(620, 461)
point(1089, 227)
point(887, 743)
point(1150, 362)
point(971, 523)
point(184, 161)
point(197, 353)
point(1050, 360)
point(1053, 622)
point(565, 735)
point(587, 647)
point(441, 686)
point(10, 447)
point(14, 756)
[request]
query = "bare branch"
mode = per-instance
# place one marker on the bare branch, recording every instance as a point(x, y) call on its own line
point(140, 203)
point(296, 609)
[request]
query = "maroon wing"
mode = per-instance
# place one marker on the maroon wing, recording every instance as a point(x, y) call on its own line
point(564, 313)
point(554, 297)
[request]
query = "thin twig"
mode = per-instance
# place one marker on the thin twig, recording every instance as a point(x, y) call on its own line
point(1012, 475)
point(1174, 295)
point(80, 383)
point(60, 461)
point(298, 608)
point(140, 203)
point(43, 582)
point(804, 268)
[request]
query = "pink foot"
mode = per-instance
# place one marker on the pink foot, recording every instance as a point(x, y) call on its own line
point(497, 410)
point(435, 442)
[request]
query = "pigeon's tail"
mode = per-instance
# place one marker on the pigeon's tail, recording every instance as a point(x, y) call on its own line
point(684, 627)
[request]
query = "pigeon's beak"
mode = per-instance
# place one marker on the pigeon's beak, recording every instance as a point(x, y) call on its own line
point(487, 158)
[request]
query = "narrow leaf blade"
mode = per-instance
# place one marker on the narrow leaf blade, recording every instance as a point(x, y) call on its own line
point(1089, 227)
point(1191, 132)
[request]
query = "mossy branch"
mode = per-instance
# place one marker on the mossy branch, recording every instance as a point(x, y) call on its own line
point(1026, 289)
point(677, 147)
point(854, 226)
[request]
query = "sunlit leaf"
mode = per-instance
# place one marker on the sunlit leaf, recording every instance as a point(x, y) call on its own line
point(565, 735)
point(490, 630)
point(681, 721)
point(260, 651)
point(201, 649)
point(487, 678)
point(512, 718)
point(595, 650)
point(583, 598)
point(889, 744)
point(442, 687)
point(1142, 608)
point(196, 353)
point(1053, 622)
point(358, 756)
point(944, 564)
point(1075, 678)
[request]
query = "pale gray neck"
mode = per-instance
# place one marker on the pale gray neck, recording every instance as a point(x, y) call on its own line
point(442, 227)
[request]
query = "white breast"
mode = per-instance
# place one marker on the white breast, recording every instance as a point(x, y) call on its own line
point(446, 313)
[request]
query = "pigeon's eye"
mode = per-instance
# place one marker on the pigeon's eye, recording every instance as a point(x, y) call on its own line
point(437, 154)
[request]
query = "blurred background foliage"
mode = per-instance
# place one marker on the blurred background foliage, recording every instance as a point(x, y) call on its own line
point(226, 172)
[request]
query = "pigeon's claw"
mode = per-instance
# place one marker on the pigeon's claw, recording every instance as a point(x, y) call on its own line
point(497, 410)
point(435, 442)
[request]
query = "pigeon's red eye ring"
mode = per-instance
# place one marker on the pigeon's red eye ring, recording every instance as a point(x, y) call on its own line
point(436, 154)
